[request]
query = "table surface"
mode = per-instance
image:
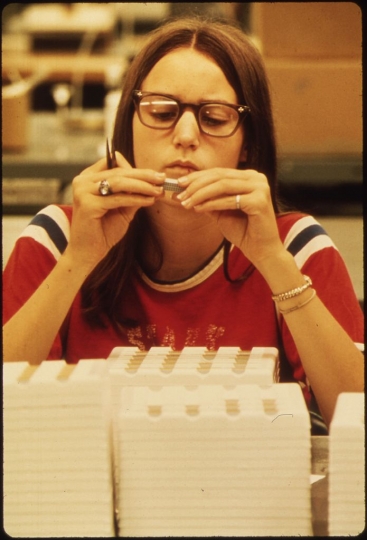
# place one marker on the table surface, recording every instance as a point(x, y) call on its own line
point(53, 146)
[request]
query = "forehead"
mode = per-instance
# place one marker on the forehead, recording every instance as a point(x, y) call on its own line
point(188, 74)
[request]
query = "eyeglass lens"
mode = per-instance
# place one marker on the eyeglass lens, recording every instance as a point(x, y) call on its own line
point(161, 113)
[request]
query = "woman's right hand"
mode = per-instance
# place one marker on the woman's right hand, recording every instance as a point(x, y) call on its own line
point(99, 222)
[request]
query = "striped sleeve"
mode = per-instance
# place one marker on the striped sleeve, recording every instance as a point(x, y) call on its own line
point(33, 257)
point(305, 238)
point(50, 228)
point(317, 256)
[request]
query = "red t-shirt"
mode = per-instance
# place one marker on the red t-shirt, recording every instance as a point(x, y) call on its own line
point(205, 310)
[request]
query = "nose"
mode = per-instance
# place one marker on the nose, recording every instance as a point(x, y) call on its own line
point(186, 131)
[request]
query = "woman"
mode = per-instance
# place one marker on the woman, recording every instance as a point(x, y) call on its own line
point(217, 263)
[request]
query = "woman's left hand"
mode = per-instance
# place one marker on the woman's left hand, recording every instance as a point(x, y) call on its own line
point(331, 361)
point(252, 227)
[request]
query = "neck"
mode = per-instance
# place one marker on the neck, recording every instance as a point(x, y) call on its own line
point(187, 240)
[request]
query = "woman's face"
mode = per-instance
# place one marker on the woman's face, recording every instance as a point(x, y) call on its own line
point(190, 77)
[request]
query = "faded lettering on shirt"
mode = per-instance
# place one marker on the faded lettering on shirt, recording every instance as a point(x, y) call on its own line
point(146, 337)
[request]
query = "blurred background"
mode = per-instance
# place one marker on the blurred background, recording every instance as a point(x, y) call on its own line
point(62, 66)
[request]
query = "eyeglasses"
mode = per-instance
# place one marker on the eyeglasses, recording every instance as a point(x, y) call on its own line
point(158, 111)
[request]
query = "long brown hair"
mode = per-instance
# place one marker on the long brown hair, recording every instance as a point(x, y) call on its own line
point(241, 63)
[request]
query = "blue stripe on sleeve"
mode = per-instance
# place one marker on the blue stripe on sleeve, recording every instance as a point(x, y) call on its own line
point(52, 229)
point(304, 237)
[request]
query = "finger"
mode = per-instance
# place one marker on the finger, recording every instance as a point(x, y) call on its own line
point(228, 180)
point(197, 193)
point(213, 191)
point(118, 184)
point(208, 186)
point(249, 204)
point(223, 203)
point(146, 175)
point(198, 179)
point(220, 172)
point(209, 176)
point(131, 180)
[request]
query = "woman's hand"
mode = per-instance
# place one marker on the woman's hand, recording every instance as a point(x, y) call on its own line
point(252, 227)
point(99, 222)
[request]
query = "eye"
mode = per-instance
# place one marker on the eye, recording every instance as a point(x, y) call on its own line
point(216, 115)
point(163, 115)
point(159, 110)
point(212, 122)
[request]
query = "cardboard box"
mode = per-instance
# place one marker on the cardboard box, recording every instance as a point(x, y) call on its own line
point(314, 30)
point(317, 106)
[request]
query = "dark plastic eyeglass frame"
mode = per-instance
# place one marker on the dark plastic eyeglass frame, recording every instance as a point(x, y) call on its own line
point(242, 111)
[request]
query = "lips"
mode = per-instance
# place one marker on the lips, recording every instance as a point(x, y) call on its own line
point(180, 168)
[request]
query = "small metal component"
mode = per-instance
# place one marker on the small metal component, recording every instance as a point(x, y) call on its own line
point(171, 184)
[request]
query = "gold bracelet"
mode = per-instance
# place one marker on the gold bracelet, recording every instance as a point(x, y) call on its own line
point(298, 306)
point(293, 292)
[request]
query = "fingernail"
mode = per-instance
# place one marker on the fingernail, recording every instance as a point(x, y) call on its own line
point(182, 180)
point(186, 203)
point(160, 175)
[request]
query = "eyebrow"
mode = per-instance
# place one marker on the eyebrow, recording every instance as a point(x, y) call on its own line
point(225, 102)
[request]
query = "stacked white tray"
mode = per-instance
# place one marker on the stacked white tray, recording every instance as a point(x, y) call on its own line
point(193, 366)
point(214, 461)
point(347, 467)
point(189, 419)
point(57, 451)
